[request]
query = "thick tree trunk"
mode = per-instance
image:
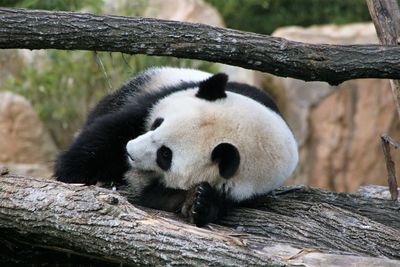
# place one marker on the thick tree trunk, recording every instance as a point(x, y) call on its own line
point(34, 29)
point(298, 225)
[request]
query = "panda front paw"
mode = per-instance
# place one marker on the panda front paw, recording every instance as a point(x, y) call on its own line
point(200, 204)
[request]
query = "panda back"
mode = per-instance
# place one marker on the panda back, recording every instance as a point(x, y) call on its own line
point(149, 82)
point(253, 93)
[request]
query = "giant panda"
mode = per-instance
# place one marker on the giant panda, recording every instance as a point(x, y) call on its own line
point(184, 140)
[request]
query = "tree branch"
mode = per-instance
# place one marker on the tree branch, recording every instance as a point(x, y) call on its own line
point(34, 29)
point(99, 222)
point(298, 225)
point(390, 167)
point(384, 14)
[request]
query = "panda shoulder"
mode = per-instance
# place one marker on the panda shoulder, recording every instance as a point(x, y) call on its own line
point(165, 77)
point(253, 93)
point(156, 79)
point(149, 85)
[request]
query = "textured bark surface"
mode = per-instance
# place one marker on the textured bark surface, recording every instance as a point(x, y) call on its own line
point(297, 225)
point(386, 17)
point(391, 170)
point(35, 29)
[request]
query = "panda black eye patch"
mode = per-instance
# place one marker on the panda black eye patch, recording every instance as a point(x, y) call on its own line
point(164, 158)
point(156, 123)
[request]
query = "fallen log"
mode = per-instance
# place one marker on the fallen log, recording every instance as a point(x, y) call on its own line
point(67, 223)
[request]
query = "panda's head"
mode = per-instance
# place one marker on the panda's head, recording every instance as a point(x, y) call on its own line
point(208, 134)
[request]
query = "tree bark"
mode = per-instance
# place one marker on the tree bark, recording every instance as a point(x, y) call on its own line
point(34, 29)
point(297, 225)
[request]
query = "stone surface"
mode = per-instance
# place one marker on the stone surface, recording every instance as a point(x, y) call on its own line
point(197, 11)
point(301, 95)
point(338, 127)
point(23, 138)
point(343, 149)
point(355, 33)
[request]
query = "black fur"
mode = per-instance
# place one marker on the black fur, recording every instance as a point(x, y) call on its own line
point(213, 88)
point(98, 152)
point(228, 159)
point(254, 93)
point(157, 196)
point(164, 158)
point(157, 122)
point(120, 98)
point(204, 204)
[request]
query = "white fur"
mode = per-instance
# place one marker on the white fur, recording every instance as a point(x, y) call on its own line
point(164, 77)
point(192, 127)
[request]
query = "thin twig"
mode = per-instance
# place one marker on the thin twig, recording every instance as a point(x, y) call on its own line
point(391, 141)
point(391, 171)
point(125, 60)
point(103, 71)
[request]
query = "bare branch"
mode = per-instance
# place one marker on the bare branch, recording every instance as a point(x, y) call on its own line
point(35, 29)
point(384, 14)
point(391, 170)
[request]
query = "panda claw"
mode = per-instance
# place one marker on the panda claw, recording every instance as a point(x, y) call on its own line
point(200, 190)
point(200, 205)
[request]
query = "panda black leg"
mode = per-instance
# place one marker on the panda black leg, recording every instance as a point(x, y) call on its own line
point(203, 204)
point(98, 153)
point(157, 196)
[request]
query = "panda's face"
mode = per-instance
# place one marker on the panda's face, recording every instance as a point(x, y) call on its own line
point(185, 143)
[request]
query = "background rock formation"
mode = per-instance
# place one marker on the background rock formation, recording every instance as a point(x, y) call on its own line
point(25, 145)
point(338, 127)
point(197, 11)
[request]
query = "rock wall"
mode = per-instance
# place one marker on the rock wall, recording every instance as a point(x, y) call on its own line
point(339, 127)
point(343, 149)
point(197, 11)
point(23, 138)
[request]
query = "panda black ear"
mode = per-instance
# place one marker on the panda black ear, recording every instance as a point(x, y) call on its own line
point(213, 88)
point(228, 158)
